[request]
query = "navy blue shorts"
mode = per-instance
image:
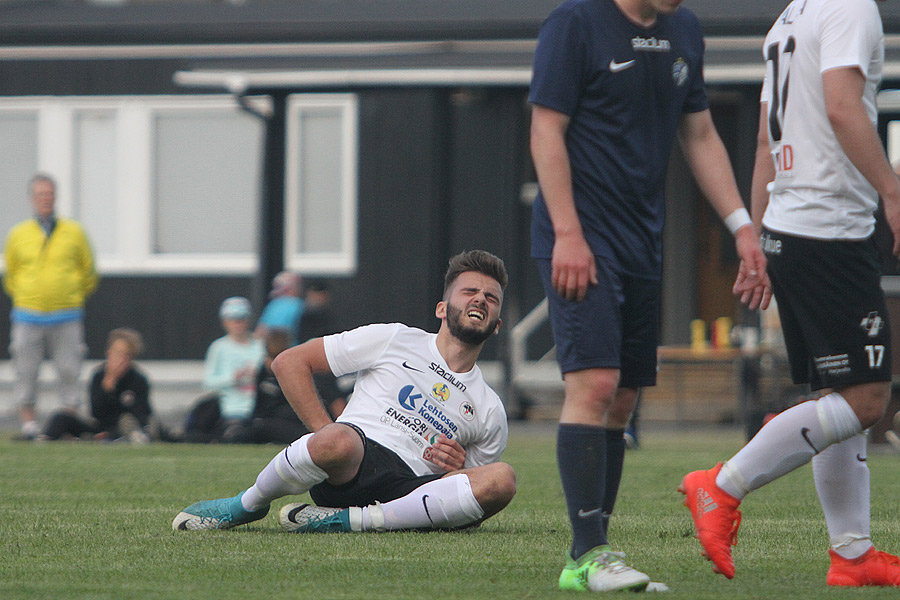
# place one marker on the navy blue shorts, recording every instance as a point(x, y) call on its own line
point(832, 309)
point(616, 326)
point(382, 477)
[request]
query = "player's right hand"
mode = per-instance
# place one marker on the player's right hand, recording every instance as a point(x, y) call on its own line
point(573, 267)
point(448, 454)
point(754, 290)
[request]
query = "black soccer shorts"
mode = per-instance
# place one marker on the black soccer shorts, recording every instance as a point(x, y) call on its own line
point(382, 477)
point(832, 309)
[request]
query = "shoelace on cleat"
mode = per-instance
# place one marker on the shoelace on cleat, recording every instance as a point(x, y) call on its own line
point(219, 517)
point(614, 561)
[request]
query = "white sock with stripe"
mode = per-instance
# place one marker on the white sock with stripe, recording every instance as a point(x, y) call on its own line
point(292, 471)
point(788, 441)
point(842, 482)
point(444, 503)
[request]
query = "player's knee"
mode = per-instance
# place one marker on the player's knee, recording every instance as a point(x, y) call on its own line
point(502, 484)
point(869, 401)
point(591, 390)
point(870, 412)
point(334, 444)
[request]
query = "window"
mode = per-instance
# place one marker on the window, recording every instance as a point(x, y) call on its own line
point(206, 182)
point(320, 182)
point(171, 184)
point(18, 147)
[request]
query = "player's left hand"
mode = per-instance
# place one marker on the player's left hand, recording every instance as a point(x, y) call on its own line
point(448, 454)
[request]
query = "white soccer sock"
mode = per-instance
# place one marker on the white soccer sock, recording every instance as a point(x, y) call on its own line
point(292, 471)
point(788, 441)
point(443, 503)
point(30, 428)
point(842, 482)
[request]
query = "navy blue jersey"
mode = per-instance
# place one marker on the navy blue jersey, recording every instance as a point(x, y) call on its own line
point(624, 88)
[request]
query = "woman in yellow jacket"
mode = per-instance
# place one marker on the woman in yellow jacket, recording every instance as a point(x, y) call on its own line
point(49, 273)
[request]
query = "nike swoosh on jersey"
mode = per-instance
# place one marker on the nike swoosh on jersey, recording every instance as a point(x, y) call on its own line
point(615, 67)
point(411, 368)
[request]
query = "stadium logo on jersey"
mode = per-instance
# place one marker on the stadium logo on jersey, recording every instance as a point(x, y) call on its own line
point(467, 410)
point(679, 72)
point(650, 44)
point(406, 397)
point(441, 392)
point(447, 376)
point(872, 323)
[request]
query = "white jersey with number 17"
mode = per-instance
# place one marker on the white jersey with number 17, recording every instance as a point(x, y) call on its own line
point(817, 191)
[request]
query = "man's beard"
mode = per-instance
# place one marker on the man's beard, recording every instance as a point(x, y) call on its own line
point(468, 335)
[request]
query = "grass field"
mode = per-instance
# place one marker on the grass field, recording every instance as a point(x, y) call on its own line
point(81, 520)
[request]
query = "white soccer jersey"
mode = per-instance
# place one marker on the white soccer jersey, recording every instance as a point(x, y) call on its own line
point(817, 191)
point(405, 396)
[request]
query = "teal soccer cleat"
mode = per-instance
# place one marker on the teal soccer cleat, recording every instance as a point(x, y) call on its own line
point(223, 513)
point(308, 518)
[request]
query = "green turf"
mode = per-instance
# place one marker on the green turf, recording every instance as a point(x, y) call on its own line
point(81, 520)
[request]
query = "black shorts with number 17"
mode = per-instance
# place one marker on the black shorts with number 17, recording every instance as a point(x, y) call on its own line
point(832, 309)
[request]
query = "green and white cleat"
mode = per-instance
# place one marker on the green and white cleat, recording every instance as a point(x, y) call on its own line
point(601, 570)
point(309, 518)
point(223, 513)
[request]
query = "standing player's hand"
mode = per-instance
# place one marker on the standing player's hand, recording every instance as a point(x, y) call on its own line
point(752, 284)
point(448, 454)
point(573, 267)
point(752, 292)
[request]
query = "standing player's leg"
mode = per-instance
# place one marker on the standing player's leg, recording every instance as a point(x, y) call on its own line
point(827, 337)
point(842, 482)
point(588, 337)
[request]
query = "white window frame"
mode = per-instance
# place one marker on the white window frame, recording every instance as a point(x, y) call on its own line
point(135, 134)
point(173, 262)
point(344, 261)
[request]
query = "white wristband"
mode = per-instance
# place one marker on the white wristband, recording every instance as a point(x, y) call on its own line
point(737, 219)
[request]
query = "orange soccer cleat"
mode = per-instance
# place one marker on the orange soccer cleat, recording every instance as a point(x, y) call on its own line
point(872, 568)
point(715, 515)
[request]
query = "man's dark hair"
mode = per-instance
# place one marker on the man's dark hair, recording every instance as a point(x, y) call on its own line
point(477, 261)
point(40, 177)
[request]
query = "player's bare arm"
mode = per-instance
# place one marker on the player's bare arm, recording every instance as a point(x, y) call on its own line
point(708, 160)
point(763, 175)
point(573, 268)
point(843, 90)
point(763, 170)
point(294, 369)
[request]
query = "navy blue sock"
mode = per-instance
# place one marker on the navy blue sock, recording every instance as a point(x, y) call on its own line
point(615, 462)
point(581, 457)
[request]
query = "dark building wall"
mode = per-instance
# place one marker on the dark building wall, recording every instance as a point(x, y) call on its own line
point(437, 175)
point(178, 316)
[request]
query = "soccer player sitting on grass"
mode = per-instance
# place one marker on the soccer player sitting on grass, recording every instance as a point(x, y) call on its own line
point(418, 444)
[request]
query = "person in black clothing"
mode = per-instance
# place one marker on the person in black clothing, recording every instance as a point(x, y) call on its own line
point(273, 420)
point(316, 322)
point(119, 397)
